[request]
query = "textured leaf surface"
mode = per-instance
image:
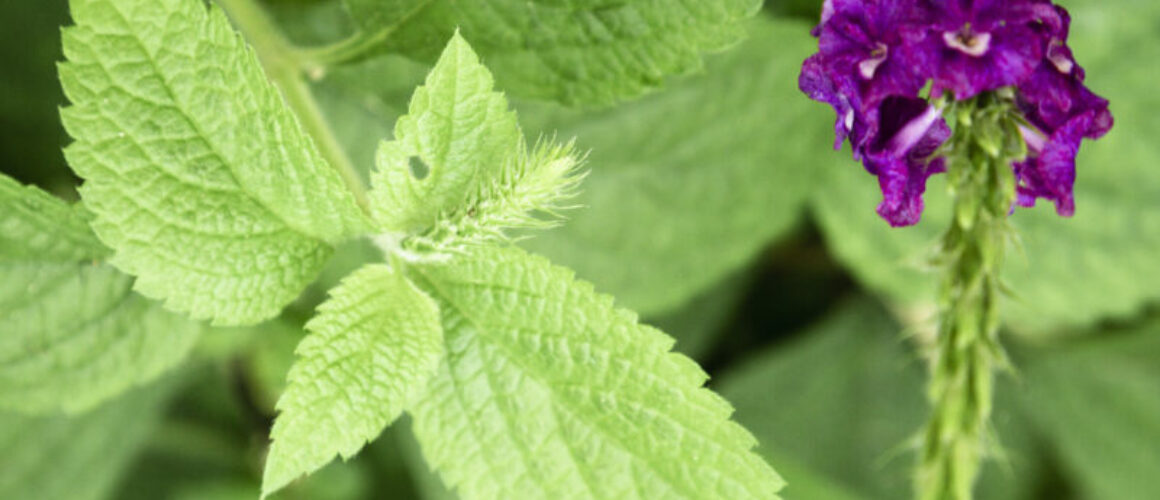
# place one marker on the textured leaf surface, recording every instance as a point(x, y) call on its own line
point(1069, 272)
point(457, 135)
point(689, 185)
point(370, 352)
point(458, 171)
point(548, 391)
point(838, 410)
point(74, 333)
point(1099, 406)
point(572, 51)
point(78, 458)
point(200, 177)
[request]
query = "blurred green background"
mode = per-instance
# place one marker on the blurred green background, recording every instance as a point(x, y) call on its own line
point(716, 209)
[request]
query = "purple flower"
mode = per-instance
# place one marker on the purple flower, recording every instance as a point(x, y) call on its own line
point(875, 56)
point(1049, 170)
point(1055, 93)
point(911, 131)
point(817, 84)
point(981, 45)
point(865, 56)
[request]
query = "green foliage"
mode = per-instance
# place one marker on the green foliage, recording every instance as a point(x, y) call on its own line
point(1108, 249)
point(837, 401)
point(689, 185)
point(74, 332)
point(200, 177)
point(458, 170)
point(547, 390)
point(574, 52)
point(370, 352)
point(77, 458)
point(838, 409)
point(1099, 405)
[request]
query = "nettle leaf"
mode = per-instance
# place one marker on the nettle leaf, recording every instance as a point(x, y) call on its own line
point(75, 334)
point(1106, 253)
point(691, 184)
point(457, 133)
point(548, 391)
point(77, 458)
point(459, 169)
point(369, 353)
point(590, 52)
point(199, 175)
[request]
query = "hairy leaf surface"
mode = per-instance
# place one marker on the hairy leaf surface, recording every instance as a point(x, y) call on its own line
point(458, 169)
point(691, 184)
point(572, 51)
point(456, 136)
point(548, 391)
point(200, 177)
point(74, 333)
point(1067, 271)
point(369, 353)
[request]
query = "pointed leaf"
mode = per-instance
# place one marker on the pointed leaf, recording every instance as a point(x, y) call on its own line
point(199, 175)
point(457, 135)
point(548, 391)
point(370, 352)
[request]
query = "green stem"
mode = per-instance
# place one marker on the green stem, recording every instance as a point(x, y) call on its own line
point(968, 351)
point(315, 60)
point(277, 56)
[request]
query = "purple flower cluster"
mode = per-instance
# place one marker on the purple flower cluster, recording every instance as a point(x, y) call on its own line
point(876, 56)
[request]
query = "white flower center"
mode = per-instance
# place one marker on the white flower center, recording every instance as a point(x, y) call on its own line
point(968, 42)
point(1059, 58)
point(870, 66)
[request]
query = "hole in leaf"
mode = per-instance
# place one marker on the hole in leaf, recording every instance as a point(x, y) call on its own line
point(419, 169)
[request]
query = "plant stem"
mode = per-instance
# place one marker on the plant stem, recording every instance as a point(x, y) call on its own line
point(968, 350)
point(277, 57)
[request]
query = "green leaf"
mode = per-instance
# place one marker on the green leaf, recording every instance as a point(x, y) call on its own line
point(549, 391)
point(458, 168)
point(1070, 272)
point(370, 352)
point(199, 175)
point(75, 333)
point(843, 400)
point(78, 458)
point(839, 409)
point(1099, 405)
point(688, 186)
point(457, 134)
point(589, 52)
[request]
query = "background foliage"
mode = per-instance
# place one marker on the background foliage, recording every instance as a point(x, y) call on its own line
point(714, 208)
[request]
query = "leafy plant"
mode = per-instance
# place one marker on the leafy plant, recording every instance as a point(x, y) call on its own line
point(408, 234)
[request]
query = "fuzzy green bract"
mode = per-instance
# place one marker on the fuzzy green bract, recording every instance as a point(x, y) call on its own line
point(200, 177)
point(458, 170)
point(539, 387)
point(572, 51)
point(549, 391)
point(369, 353)
point(75, 334)
point(457, 135)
